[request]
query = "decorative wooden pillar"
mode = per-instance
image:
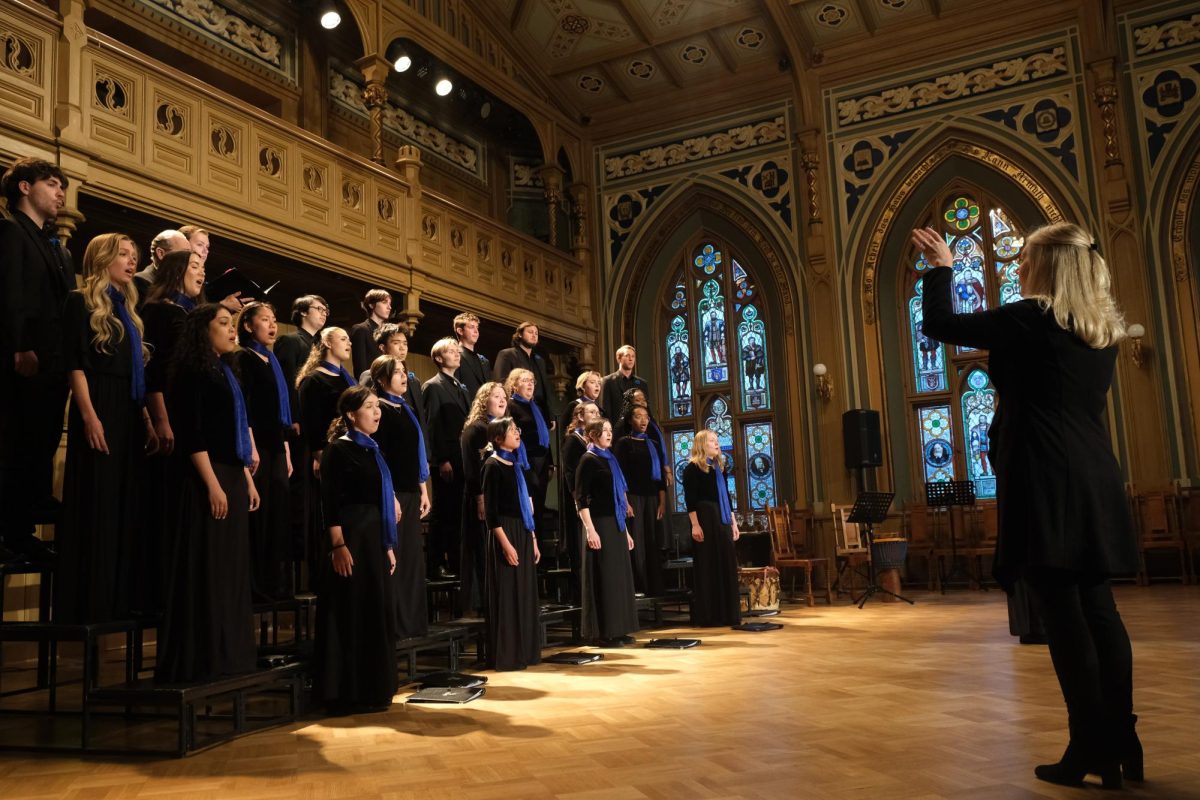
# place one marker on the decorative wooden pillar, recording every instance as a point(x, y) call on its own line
point(375, 97)
point(408, 164)
point(579, 238)
point(552, 186)
point(412, 313)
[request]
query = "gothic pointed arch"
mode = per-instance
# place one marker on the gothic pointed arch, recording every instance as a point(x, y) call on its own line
point(1182, 277)
point(708, 297)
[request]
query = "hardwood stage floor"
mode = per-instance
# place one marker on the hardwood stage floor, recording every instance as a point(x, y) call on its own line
point(930, 701)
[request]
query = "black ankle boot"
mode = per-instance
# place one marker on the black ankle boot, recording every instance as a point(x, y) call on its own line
point(1075, 764)
point(1131, 753)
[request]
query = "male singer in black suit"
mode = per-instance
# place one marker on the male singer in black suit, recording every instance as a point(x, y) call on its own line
point(36, 274)
point(521, 355)
point(474, 369)
point(616, 384)
point(378, 305)
point(446, 407)
point(166, 242)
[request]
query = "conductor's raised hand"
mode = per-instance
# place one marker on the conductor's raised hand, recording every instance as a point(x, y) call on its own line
point(933, 245)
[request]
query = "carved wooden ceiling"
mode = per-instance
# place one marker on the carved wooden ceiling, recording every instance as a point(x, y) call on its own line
point(607, 53)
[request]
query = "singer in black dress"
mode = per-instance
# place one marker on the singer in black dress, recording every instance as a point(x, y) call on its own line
point(207, 626)
point(401, 439)
point(514, 631)
point(354, 661)
point(609, 609)
point(574, 445)
point(639, 458)
point(715, 600)
point(521, 386)
point(107, 435)
point(270, 419)
point(491, 402)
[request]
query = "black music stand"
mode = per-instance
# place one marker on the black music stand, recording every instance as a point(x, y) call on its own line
point(947, 494)
point(871, 508)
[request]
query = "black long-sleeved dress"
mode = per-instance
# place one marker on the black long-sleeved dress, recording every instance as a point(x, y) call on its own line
point(609, 608)
point(319, 393)
point(354, 661)
point(397, 437)
point(270, 534)
point(715, 600)
point(514, 634)
point(634, 457)
point(101, 526)
point(474, 530)
point(207, 626)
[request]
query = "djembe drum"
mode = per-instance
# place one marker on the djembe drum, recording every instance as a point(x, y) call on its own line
point(762, 587)
point(889, 554)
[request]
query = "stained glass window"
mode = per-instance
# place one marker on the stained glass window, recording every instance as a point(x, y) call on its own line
point(753, 352)
point(937, 448)
point(716, 372)
point(760, 465)
point(985, 241)
point(978, 407)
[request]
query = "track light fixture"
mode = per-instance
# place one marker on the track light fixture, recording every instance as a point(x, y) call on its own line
point(330, 18)
point(402, 64)
point(443, 87)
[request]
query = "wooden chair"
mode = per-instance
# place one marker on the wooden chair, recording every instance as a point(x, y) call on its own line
point(1189, 522)
point(982, 537)
point(784, 554)
point(917, 527)
point(852, 552)
point(1158, 530)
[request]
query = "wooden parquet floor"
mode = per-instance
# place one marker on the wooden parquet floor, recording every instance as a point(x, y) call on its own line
point(930, 701)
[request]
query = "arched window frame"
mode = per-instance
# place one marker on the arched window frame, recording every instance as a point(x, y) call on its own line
point(750, 411)
point(969, 446)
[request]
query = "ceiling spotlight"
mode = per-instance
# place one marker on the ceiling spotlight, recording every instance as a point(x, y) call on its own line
point(330, 19)
point(444, 87)
point(485, 110)
point(402, 64)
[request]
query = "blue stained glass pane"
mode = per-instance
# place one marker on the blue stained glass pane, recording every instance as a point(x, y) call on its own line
point(681, 449)
point(937, 443)
point(743, 287)
point(711, 318)
point(760, 465)
point(679, 364)
point(752, 340)
point(708, 260)
point(978, 407)
point(969, 292)
point(720, 423)
point(1006, 245)
point(929, 357)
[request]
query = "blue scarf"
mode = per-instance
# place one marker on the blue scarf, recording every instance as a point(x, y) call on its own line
point(618, 482)
point(338, 369)
point(137, 386)
point(655, 460)
point(522, 489)
point(285, 404)
point(522, 455)
point(185, 302)
point(722, 492)
point(424, 463)
point(241, 424)
point(543, 433)
point(387, 506)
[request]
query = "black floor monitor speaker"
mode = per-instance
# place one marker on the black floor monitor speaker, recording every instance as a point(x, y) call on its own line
point(860, 438)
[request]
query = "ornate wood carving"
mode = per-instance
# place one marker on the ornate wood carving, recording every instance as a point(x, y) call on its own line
point(696, 148)
point(1106, 97)
point(810, 162)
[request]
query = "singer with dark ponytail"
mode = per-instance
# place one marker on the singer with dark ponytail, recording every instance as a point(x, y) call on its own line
point(715, 600)
point(514, 634)
point(269, 406)
point(207, 627)
point(108, 433)
point(354, 662)
point(402, 440)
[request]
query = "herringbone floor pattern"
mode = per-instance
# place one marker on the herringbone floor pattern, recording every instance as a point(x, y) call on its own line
point(930, 701)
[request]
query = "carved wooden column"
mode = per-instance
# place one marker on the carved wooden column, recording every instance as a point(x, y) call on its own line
point(408, 164)
point(579, 237)
point(375, 97)
point(412, 313)
point(552, 184)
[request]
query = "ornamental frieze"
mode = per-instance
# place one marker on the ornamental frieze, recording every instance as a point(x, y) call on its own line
point(696, 148)
point(1166, 35)
point(970, 82)
point(226, 25)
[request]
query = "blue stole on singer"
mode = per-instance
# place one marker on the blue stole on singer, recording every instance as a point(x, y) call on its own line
point(137, 385)
point(543, 433)
point(722, 492)
point(285, 405)
point(338, 369)
point(424, 463)
point(523, 499)
point(620, 487)
point(655, 459)
point(241, 423)
point(387, 502)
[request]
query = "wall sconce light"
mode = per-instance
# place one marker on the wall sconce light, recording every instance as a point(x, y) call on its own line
point(1136, 332)
point(824, 387)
